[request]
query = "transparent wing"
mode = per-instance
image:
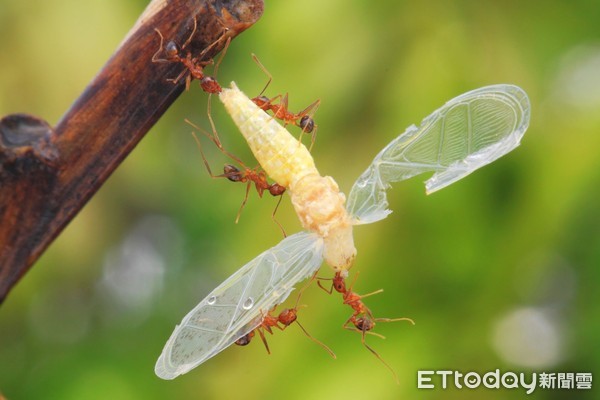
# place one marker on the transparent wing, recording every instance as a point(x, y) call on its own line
point(468, 132)
point(236, 306)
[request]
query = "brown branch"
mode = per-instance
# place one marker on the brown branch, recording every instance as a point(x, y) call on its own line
point(47, 174)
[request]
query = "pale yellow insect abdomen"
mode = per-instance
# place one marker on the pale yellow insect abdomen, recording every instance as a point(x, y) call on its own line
point(284, 158)
point(316, 199)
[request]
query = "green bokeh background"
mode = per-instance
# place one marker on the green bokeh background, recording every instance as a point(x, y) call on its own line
point(499, 270)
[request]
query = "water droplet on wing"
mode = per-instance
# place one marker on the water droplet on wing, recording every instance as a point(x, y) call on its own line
point(248, 303)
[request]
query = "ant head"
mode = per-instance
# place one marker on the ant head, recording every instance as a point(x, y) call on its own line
point(364, 324)
point(307, 124)
point(262, 101)
point(210, 85)
point(339, 284)
point(172, 50)
point(232, 173)
point(287, 316)
point(276, 189)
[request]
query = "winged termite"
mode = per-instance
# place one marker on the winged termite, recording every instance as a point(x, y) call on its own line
point(463, 135)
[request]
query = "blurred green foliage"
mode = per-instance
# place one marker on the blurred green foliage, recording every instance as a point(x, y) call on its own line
point(498, 271)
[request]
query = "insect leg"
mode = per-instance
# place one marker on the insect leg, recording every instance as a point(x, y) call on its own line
point(323, 345)
point(275, 219)
point(237, 218)
point(257, 61)
point(216, 141)
point(379, 357)
point(264, 339)
point(189, 39)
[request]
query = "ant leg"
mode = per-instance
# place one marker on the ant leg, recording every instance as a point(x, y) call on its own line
point(275, 219)
point(206, 164)
point(394, 320)
point(216, 141)
point(237, 218)
point(188, 79)
point(189, 39)
point(209, 83)
point(306, 122)
point(264, 340)
point(281, 110)
point(311, 109)
point(379, 357)
point(301, 291)
point(212, 45)
point(328, 291)
point(355, 329)
point(229, 175)
point(323, 345)
point(264, 69)
point(215, 136)
point(223, 52)
point(364, 332)
point(362, 296)
point(160, 49)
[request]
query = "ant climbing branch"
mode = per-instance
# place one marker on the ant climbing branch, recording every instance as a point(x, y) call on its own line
point(49, 173)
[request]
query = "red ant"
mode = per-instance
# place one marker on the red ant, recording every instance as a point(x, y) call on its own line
point(303, 119)
point(285, 318)
point(209, 84)
point(248, 175)
point(362, 319)
point(193, 65)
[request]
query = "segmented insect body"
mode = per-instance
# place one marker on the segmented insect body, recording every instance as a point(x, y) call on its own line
point(466, 133)
point(316, 199)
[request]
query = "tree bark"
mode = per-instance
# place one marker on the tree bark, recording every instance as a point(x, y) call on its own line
point(47, 174)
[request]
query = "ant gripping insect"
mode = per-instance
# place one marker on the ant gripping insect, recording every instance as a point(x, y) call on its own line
point(362, 318)
point(247, 175)
point(280, 110)
point(285, 318)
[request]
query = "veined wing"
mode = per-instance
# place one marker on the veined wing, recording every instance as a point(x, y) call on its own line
point(237, 305)
point(468, 132)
